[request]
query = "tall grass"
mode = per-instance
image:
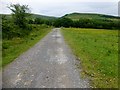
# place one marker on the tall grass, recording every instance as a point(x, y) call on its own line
point(98, 53)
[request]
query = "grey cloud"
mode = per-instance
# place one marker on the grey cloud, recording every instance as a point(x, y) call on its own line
point(59, 9)
point(82, 7)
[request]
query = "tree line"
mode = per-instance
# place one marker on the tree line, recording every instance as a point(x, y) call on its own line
point(81, 23)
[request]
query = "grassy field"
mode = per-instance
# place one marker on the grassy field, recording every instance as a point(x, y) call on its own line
point(97, 51)
point(13, 48)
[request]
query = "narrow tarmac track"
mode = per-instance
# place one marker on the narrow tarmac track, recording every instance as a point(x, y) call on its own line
point(48, 64)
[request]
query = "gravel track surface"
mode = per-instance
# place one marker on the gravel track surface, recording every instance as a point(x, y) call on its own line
point(48, 64)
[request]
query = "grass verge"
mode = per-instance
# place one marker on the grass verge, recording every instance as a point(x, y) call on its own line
point(98, 53)
point(13, 48)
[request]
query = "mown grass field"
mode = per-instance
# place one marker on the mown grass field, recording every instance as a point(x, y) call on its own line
point(97, 51)
point(14, 47)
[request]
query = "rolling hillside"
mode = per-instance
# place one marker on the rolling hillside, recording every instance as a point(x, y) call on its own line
point(73, 16)
point(43, 16)
point(76, 16)
point(32, 16)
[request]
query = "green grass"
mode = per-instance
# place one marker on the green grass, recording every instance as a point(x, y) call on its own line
point(13, 48)
point(98, 53)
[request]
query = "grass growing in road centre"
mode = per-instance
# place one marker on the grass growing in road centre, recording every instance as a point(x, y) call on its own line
point(98, 53)
point(13, 48)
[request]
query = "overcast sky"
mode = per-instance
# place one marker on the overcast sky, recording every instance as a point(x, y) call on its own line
point(62, 7)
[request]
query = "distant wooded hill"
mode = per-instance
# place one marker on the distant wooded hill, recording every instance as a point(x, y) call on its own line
point(76, 16)
point(73, 16)
point(31, 16)
point(78, 20)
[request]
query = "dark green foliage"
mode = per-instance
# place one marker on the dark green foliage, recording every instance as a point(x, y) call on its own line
point(88, 23)
point(48, 22)
point(17, 25)
point(96, 23)
point(6, 27)
point(65, 22)
point(10, 30)
point(31, 21)
point(38, 21)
